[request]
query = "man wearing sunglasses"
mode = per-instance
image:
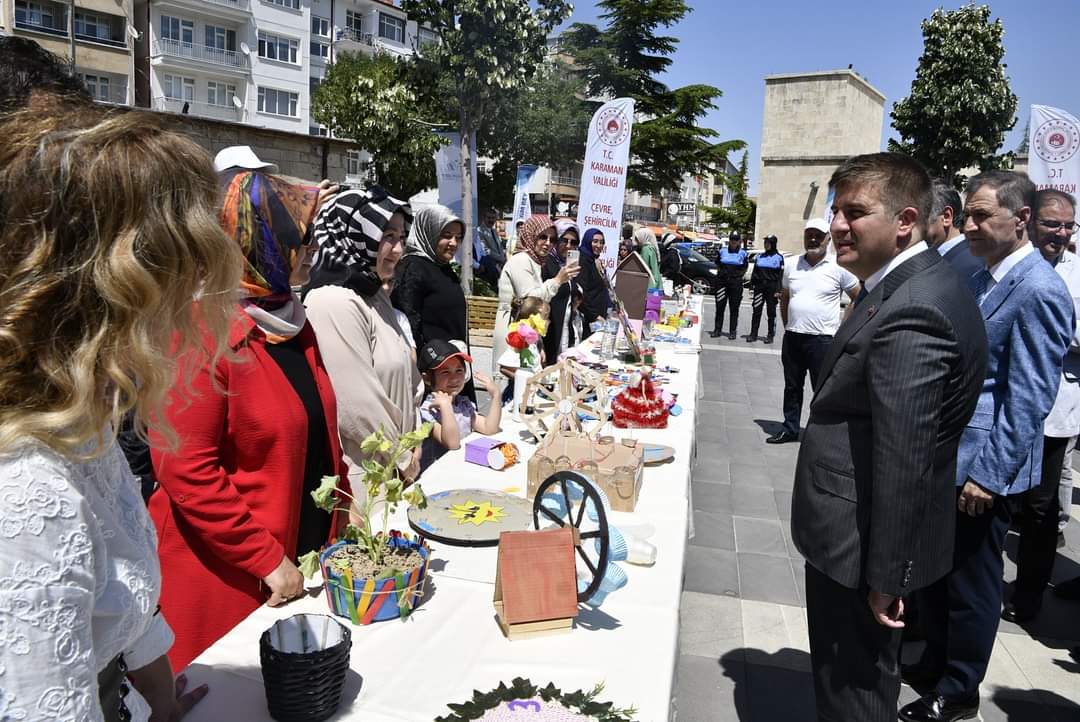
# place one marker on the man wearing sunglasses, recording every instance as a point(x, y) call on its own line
point(1054, 226)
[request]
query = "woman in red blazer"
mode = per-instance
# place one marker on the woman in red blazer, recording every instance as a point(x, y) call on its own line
point(233, 511)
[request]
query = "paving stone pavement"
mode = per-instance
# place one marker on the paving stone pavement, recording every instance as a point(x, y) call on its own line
point(744, 652)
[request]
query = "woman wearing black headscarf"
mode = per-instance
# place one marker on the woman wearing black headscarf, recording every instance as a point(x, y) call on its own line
point(595, 301)
point(560, 335)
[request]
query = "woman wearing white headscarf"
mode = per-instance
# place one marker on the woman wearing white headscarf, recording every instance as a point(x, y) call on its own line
point(361, 237)
point(645, 242)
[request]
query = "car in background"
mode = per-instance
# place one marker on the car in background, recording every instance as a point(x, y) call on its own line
point(697, 269)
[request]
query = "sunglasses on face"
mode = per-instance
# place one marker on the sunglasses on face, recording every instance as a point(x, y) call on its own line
point(1055, 226)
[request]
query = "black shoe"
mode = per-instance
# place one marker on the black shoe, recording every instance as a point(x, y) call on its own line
point(715, 334)
point(935, 708)
point(782, 437)
point(1068, 590)
point(751, 338)
point(731, 336)
point(919, 675)
point(1018, 614)
point(1061, 540)
point(768, 339)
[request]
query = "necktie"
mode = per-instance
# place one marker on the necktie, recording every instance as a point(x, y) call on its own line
point(863, 293)
point(980, 285)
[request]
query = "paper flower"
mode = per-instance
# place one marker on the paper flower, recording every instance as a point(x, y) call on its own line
point(538, 323)
point(528, 333)
point(516, 342)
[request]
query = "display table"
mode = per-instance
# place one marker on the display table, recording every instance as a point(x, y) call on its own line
point(452, 644)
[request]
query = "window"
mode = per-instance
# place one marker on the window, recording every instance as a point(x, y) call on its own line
point(177, 30)
point(97, 86)
point(318, 130)
point(178, 88)
point(292, 4)
point(274, 47)
point(218, 93)
point(220, 38)
point(354, 22)
point(391, 28)
point(320, 26)
point(320, 50)
point(426, 36)
point(352, 162)
point(278, 102)
point(42, 16)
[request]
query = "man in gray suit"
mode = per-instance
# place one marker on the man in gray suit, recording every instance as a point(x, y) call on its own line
point(1028, 314)
point(873, 509)
point(944, 234)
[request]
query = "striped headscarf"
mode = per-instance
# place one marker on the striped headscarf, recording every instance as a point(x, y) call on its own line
point(533, 227)
point(348, 231)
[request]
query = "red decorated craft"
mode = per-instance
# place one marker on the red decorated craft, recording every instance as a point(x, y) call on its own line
point(640, 406)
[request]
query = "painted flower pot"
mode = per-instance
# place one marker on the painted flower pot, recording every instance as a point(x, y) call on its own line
point(364, 601)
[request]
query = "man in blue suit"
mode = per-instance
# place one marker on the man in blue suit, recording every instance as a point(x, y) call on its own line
point(943, 233)
point(1029, 322)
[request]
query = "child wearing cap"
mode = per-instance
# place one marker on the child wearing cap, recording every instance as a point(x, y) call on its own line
point(452, 414)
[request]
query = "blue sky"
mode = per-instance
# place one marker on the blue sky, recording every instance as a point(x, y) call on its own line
point(734, 45)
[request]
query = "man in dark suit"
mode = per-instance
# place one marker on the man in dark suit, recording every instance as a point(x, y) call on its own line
point(873, 506)
point(944, 234)
point(1028, 313)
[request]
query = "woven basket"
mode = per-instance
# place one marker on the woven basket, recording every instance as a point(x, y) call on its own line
point(364, 601)
point(304, 660)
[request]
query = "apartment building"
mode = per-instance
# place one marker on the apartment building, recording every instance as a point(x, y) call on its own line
point(100, 34)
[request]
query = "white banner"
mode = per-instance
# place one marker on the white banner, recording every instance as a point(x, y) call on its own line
point(522, 204)
point(603, 178)
point(1053, 157)
point(448, 171)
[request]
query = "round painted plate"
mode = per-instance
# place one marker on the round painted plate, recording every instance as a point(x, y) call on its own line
point(470, 517)
point(657, 454)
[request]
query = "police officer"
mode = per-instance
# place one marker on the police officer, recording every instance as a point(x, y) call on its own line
point(731, 266)
point(765, 283)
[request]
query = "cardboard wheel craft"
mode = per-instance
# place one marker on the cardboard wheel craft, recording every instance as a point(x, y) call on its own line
point(567, 498)
point(470, 517)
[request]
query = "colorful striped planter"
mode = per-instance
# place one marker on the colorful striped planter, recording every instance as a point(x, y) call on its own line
point(363, 601)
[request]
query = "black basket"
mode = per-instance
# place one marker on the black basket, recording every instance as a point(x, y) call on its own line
point(305, 686)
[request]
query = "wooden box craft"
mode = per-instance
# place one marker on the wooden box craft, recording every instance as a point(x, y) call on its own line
point(536, 582)
point(616, 466)
point(632, 281)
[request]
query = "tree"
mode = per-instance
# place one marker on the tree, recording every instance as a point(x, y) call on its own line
point(544, 123)
point(741, 215)
point(624, 60)
point(369, 100)
point(960, 106)
point(486, 48)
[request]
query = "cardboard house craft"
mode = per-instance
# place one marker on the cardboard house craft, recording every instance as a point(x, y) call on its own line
point(632, 281)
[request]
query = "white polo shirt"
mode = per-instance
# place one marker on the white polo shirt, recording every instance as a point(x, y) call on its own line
point(815, 292)
point(1064, 418)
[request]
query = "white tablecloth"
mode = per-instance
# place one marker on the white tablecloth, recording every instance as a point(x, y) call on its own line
point(452, 644)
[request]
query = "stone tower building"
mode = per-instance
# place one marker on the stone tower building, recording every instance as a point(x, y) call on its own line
point(812, 123)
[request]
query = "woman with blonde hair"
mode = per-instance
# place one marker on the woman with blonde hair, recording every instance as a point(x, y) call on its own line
point(108, 229)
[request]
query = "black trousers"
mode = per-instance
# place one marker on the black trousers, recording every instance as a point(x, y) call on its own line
point(856, 661)
point(800, 353)
point(1039, 529)
point(960, 612)
point(728, 293)
point(763, 297)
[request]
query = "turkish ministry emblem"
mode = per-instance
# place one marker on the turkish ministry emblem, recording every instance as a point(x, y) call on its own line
point(1056, 140)
point(612, 127)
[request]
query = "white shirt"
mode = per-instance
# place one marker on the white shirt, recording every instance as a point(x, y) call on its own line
point(1064, 418)
point(815, 291)
point(879, 275)
point(950, 244)
point(1006, 264)
point(79, 583)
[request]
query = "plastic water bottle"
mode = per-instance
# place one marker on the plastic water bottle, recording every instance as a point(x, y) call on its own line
point(611, 333)
point(651, 319)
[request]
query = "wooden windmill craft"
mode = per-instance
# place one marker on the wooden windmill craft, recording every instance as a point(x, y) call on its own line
point(556, 397)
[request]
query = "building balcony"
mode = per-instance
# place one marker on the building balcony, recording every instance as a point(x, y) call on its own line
point(202, 55)
point(239, 10)
point(199, 110)
point(351, 38)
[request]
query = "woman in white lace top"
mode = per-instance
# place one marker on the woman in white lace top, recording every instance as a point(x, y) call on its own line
point(108, 229)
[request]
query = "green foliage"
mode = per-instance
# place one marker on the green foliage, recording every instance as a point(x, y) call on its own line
point(742, 214)
point(485, 48)
point(370, 100)
point(960, 106)
point(382, 484)
point(624, 60)
point(523, 689)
